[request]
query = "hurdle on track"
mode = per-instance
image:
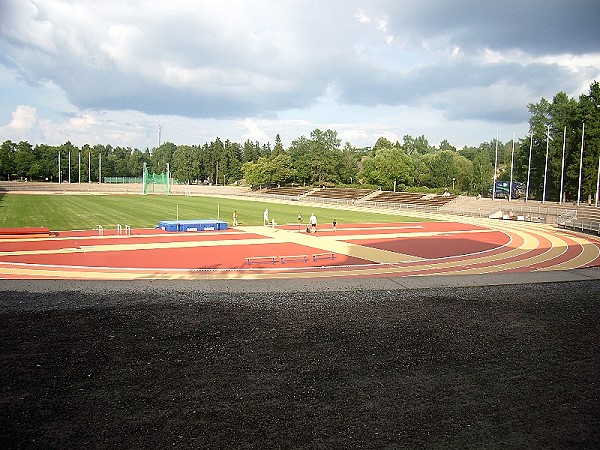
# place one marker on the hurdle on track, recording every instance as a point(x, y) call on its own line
point(318, 256)
point(100, 230)
point(288, 258)
point(120, 230)
point(259, 259)
point(293, 258)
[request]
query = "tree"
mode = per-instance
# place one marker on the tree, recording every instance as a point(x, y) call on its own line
point(7, 151)
point(24, 160)
point(46, 162)
point(269, 171)
point(299, 152)
point(250, 151)
point(348, 164)
point(442, 169)
point(322, 155)
point(389, 168)
point(316, 160)
point(589, 113)
point(464, 173)
point(445, 146)
point(483, 172)
point(135, 163)
point(185, 164)
point(161, 157)
point(231, 162)
point(418, 145)
point(278, 149)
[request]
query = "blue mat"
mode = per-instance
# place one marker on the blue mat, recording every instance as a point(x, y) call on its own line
point(192, 225)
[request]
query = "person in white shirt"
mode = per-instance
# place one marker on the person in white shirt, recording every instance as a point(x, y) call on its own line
point(313, 223)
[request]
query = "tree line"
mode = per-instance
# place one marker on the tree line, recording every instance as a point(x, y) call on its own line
point(549, 157)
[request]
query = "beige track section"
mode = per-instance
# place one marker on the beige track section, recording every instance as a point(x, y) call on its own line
point(332, 244)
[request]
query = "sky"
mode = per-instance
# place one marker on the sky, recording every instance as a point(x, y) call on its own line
point(138, 72)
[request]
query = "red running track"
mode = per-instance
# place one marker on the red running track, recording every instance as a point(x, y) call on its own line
point(425, 248)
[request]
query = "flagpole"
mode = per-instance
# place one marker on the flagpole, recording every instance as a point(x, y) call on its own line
point(562, 170)
point(495, 170)
point(546, 166)
point(580, 164)
point(529, 165)
point(598, 182)
point(512, 161)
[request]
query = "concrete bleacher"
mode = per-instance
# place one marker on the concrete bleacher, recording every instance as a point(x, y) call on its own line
point(412, 198)
point(583, 218)
point(287, 191)
point(340, 193)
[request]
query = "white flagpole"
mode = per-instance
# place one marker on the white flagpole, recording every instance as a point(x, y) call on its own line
point(512, 160)
point(89, 167)
point(495, 170)
point(144, 179)
point(529, 166)
point(59, 174)
point(562, 170)
point(580, 164)
point(598, 182)
point(168, 179)
point(546, 166)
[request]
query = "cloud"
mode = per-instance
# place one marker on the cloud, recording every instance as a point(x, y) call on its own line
point(248, 67)
point(255, 132)
point(24, 124)
point(24, 118)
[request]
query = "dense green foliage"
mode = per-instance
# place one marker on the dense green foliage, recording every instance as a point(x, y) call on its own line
point(320, 159)
point(68, 212)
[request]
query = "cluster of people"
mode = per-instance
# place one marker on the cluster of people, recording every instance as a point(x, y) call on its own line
point(310, 228)
point(312, 223)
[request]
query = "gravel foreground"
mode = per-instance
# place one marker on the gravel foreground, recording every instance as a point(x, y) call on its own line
point(512, 366)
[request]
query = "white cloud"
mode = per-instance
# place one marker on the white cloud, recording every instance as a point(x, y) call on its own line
point(362, 17)
point(23, 126)
point(254, 133)
point(24, 119)
point(113, 70)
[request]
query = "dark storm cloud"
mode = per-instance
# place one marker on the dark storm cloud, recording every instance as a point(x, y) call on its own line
point(535, 26)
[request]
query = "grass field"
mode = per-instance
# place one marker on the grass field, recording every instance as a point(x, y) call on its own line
point(70, 212)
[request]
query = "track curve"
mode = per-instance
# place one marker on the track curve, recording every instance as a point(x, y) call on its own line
point(468, 247)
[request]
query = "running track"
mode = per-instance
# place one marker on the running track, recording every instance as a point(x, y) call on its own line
point(357, 250)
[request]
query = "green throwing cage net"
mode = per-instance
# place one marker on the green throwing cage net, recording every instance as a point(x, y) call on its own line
point(156, 183)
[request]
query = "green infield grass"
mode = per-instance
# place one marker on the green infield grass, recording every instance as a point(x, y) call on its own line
point(61, 212)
